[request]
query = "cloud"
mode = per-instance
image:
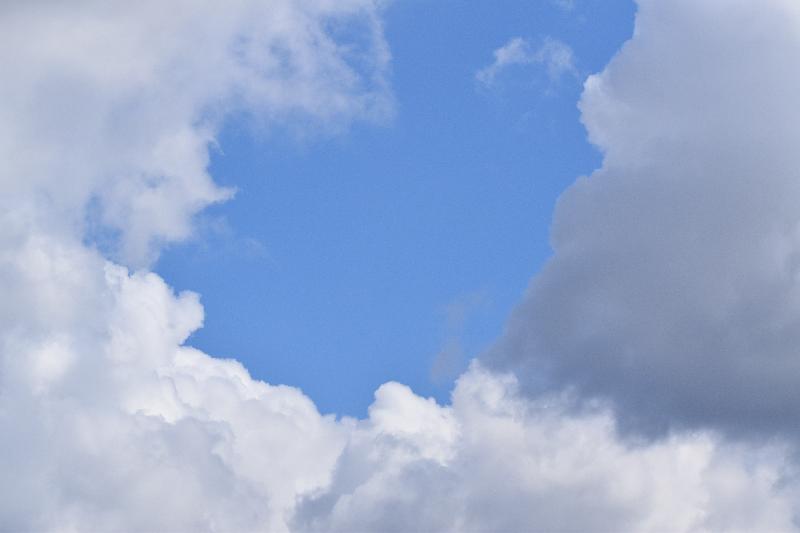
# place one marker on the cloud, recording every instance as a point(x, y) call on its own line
point(108, 113)
point(555, 56)
point(566, 5)
point(452, 359)
point(673, 286)
point(495, 461)
point(110, 422)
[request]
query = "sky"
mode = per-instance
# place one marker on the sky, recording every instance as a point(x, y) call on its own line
point(361, 248)
point(298, 266)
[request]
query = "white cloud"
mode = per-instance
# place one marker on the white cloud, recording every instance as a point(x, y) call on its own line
point(107, 112)
point(555, 56)
point(452, 357)
point(566, 5)
point(136, 432)
point(114, 106)
point(494, 461)
point(109, 422)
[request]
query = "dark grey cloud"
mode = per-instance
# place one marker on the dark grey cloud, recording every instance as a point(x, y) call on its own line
point(109, 422)
point(674, 286)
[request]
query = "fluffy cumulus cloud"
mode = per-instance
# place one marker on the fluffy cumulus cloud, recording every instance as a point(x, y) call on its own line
point(672, 286)
point(109, 424)
point(107, 113)
point(109, 108)
point(496, 461)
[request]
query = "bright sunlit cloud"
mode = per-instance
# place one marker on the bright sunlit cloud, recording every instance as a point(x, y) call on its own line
point(645, 382)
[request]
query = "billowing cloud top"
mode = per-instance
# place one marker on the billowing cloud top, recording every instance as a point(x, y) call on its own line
point(671, 292)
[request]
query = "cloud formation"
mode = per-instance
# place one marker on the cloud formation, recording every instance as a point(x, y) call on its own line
point(109, 110)
point(107, 113)
point(110, 422)
point(673, 287)
point(496, 461)
point(555, 56)
point(566, 5)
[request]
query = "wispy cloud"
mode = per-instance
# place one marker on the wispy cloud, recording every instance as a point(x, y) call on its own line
point(555, 56)
point(566, 5)
point(672, 295)
point(452, 358)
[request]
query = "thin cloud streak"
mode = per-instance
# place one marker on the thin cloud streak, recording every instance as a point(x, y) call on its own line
point(556, 57)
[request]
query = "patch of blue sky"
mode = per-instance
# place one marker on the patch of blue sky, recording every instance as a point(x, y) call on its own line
point(397, 251)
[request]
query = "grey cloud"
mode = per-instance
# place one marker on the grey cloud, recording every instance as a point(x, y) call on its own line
point(495, 461)
point(673, 290)
point(108, 421)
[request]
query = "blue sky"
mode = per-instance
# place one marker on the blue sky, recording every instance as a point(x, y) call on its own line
point(636, 372)
point(368, 252)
